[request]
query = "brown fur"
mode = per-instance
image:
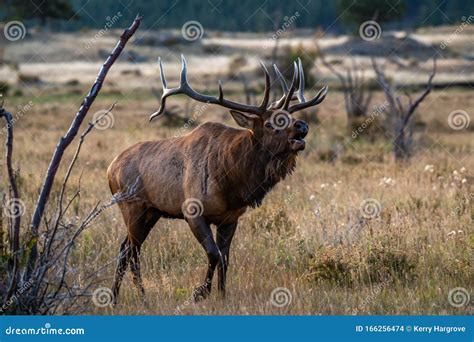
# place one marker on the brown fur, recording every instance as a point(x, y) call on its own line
point(223, 168)
point(227, 169)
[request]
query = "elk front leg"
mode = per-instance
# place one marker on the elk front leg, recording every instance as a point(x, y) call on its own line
point(224, 236)
point(203, 233)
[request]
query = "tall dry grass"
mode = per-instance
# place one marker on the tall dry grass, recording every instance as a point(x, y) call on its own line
point(309, 236)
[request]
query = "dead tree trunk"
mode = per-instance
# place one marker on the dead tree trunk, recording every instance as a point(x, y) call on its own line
point(66, 140)
point(14, 205)
point(401, 114)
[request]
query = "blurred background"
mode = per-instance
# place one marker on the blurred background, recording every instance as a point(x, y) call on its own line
point(59, 42)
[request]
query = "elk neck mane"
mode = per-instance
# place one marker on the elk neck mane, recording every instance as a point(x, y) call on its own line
point(247, 170)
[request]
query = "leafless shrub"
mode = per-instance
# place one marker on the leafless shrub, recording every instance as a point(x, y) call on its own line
point(399, 113)
point(357, 93)
point(48, 282)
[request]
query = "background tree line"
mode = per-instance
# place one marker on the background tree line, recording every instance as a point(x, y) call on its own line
point(238, 15)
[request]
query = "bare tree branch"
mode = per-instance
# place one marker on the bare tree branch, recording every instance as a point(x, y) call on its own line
point(78, 150)
point(330, 66)
point(66, 140)
point(429, 87)
point(356, 98)
point(14, 198)
point(400, 113)
point(386, 87)
point(60, 211)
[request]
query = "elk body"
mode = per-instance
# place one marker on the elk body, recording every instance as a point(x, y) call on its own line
point(211, 175)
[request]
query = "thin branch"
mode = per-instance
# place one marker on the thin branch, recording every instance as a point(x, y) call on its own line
point(330, 66)
point(78, 150)
point(67, 139)
point(403, 114)
point(386, 87)
point(66, 178)
point(429, 87)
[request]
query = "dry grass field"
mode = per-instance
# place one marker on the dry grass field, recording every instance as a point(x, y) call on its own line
point(310, 236)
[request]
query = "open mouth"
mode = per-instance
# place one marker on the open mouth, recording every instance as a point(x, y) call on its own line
point(297, 143)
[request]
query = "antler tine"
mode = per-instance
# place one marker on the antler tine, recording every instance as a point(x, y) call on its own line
point(162, 74)
point(284, 85)
point(266, 94)
point(300, 93)
point(221, 92)
point(186, 89)
point(295, 79)
point(184, 70)
point(299, 76)
point(313, 102)
point(165, 92)
point(281, 78)
point(183, 87)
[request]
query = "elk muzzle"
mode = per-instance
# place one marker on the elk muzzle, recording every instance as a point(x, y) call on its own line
point(299, 131)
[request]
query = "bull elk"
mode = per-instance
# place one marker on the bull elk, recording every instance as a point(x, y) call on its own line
point(211, 175)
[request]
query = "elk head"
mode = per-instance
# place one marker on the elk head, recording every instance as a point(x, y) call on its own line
point(271, 123)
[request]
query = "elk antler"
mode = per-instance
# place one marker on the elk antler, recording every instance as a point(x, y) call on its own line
point(283, 102)
point(185, 88)
point(298, 77)
point(303, 103)
point(284, 87)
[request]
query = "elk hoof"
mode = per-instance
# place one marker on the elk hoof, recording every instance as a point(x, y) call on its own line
point(201, 292)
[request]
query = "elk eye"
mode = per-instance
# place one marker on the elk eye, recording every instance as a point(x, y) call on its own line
point(268, 125)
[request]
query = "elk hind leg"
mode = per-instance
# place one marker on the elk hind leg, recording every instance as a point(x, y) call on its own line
point(139, 221)
point(137, 235)
point(123, 259)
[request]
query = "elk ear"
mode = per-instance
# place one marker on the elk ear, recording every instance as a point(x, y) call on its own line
point(243, 119)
